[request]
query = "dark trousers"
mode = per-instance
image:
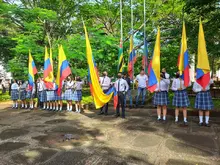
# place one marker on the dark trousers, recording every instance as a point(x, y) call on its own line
point(121, 98)
point(104, 109)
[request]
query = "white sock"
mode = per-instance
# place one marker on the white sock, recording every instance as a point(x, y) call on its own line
point(68, 107)
point(185, 119)
point(71, 107)
point(16, 104)
point(13, 105)
point(54, 108)
point(200, 119)
point(207, 119)
point(26, 106)
point(57, 108)
point(164, 117)
point(22, 105)
point(159, 117)
point(79, 110)
point(44, 107)
point(176, 118)
point(61, 108)
point(76, 108)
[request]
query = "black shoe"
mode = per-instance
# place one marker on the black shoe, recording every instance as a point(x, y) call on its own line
point(159, 120)
point(207, 125)
point(130, 107)
point(100, 113)
point(106, 114)
point(200, 124)
point(176, 122)
point(185, 123)
point(123, 117)
point(117, 115)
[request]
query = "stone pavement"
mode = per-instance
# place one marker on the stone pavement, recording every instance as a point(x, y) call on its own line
point(37, 137)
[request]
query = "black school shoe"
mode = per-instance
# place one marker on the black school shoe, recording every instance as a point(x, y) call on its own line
point(200, 124)
point(185, 123)
point(207, 125)
point(101, 113)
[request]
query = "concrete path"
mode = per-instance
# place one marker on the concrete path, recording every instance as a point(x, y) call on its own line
point(37, 137)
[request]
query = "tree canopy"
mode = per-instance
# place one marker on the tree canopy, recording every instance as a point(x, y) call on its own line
point(31, 24)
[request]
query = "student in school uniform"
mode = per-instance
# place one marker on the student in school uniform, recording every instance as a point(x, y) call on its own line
point(51, 98)
point(121, 87)
point(68, 95)
point(42, 94)
point(59, 99)
point(203, 102)
point(180, 99)
point(161, 99)
point(15, 94)
point(22, 94)
point(30, 95)
point(77, 94)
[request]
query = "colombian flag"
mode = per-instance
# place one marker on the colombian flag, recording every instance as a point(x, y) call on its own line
point(203, 69)
point(32, 70)
point(183, 59)
point(154, 67)
point(48, 70)
point(132, 59)
point(63, 69)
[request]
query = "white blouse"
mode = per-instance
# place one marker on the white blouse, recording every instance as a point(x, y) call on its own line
point(163, 85)
point(14, 86)
point(69, 84)
point(178, 83)
point(41, 86)
point(198, 88)
point(78, 85)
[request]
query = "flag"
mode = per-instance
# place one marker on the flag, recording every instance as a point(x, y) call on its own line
point(32, 70)
point(120, 57)
point(203, 68)
point(100, 98)
point(183, 59)
point(48, 70)
point(63, 69)
point(145, 57)
point(154, 68)
point(132, 59)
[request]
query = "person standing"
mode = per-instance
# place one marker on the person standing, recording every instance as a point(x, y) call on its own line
point(30, 95)
point(77, 94)
point(161, 99)
point(165, 74)
point(105, 83)
point(15, 94)
point(142, 81)
point(59, 99)
point(203, 102)
point(22, 94)
point(42, 93)
point(180, 99)
point(51, 98)
point(121, 87)
point(69, 93)
point(129, 90)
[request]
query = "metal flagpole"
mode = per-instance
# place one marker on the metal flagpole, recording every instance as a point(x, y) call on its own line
point(121, 21)
point(132, 40)
point(145, 58)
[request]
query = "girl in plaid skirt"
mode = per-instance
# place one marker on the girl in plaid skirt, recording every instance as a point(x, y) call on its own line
point(22, 94)
point(69, 93)
point(203, 102)
point(51, 98)
point(59, 99)
point(42, 94)
point(161, 99)
point(180, 99)
point(14, 94)
point(30, 95)
point(77, 94)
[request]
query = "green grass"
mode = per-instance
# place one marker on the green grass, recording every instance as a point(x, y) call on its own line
point(4, 97)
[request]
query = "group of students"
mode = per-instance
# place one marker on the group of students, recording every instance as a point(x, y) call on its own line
point(48, 98)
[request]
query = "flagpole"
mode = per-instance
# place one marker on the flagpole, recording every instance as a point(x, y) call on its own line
point(145, 36)
point(132, 40)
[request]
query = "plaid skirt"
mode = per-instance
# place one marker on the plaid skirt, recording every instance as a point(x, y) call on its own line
point(161, 98)
point(68, 94)
point(77, 95)
point(42, 96)
point(29, 95)
point(61, 97)
point(204, 101)
point(22, 95)
point(14, 94)
point(50, 96)
point(181, 99)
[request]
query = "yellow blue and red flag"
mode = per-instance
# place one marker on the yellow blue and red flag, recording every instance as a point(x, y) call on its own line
point(63, 69)
point(154, 67)
point(32, 70)
point(48, 70)
point(183, 59)
point(132, 58)
point(203, 68)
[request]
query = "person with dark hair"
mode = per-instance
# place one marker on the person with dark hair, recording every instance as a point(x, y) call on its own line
point(121, 87)
point(23, 93)
point(129, 90)
point(59, 99)
point(203, 102)
point(142, 81)
point(51, 98)
point(42, 93)
point(69, 93)
point(105, 83)
point(161, 99)
point(77, 94)
point(15, 94)
point(180, 99)
point(31, 94)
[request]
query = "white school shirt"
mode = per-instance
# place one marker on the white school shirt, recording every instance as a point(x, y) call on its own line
point(69, 84)
point(198, 88)
point(14, 86)
point(41, 86)
point(23, 86)
point(142, 81)
point(123, 85)
point(78, 85)
point(105, 82)
point(163, 85)
point(178, 83)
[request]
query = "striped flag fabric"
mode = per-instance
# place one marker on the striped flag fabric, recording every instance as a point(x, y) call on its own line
point(48, 70)
point(132, 59)
point(120, 57)
point(32, 70)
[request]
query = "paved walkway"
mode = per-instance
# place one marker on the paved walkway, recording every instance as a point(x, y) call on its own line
point(37, 137)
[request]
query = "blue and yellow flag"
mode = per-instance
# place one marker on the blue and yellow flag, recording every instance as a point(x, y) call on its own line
point(32, 70)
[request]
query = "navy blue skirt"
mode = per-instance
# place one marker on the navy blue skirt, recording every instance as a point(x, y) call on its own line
point(181, 99)
point(204, 101)
point(77, 95)
point(161, 98)
point(43, 96)
point(14, 94)
point(22, 94)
